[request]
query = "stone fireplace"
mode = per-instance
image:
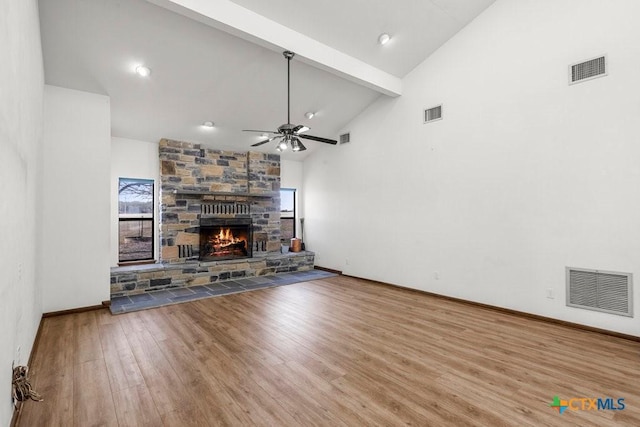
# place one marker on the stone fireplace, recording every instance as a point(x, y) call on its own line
point(219, 221)
point(199, 183)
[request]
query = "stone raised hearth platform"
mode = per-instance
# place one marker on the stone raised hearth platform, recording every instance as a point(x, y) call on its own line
point(153, 299)
point(138, 279)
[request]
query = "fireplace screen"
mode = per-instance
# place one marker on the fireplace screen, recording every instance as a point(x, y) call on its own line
point(225, 239)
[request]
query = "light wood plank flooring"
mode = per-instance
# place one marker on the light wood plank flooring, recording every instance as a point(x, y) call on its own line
point(334, 352)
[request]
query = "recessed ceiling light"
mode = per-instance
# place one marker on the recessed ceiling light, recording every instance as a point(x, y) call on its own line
point(143, 71)
point(384, 38)
point(309, 115)
point(208, 124)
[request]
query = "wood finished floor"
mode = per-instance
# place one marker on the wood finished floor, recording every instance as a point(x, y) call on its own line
point(334, 352)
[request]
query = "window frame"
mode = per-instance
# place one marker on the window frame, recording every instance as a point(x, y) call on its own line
point(146, 217)
point(288, 214)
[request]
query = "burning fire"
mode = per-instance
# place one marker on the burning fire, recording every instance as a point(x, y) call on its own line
point(225, 237)
point(224, 243)
point(225, 234)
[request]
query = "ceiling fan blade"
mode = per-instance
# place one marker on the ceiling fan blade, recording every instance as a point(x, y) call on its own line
point(260, 131)
point(317, 138)
point(264, 141)
point(300, 128)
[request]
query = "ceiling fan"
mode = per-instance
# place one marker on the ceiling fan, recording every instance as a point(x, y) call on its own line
point(288, 133)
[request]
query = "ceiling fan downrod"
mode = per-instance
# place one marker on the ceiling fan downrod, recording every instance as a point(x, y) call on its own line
point(289, 55)
point(288, 133)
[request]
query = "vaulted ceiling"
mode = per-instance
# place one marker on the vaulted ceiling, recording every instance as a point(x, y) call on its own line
point(222, 61)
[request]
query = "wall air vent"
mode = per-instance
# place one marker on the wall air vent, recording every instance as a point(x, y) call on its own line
point(588, 70)
point(345, 138)
point(227, 208)
point(432, 114)
point(605, 291)
point(185, 251)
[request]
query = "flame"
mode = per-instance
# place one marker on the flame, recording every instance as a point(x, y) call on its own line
point(225, 235)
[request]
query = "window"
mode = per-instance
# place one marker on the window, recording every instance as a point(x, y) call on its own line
point(135, 219)
point(287, 214)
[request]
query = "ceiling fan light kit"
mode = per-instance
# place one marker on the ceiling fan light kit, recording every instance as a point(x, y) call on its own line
point(288, 133)
point(296, 145)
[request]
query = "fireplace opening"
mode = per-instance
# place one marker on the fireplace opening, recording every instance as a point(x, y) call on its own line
point(222, 239)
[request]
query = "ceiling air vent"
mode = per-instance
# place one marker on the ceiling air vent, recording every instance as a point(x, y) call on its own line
point(345, 137)
point(432, 114)
point(604, 291)
point(587, 70)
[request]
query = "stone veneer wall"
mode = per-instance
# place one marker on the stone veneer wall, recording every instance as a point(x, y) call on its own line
point(196, 180)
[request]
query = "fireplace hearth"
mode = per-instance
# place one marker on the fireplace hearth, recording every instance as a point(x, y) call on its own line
point(225, 238)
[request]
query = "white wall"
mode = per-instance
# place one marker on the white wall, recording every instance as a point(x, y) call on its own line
point(21, 92)
point(75, 204)
point(524, 176)
point(291, 177)
point(132, 159)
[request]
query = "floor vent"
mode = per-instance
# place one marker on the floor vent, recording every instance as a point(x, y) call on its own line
point(587, 70)
point(604, 291)
point(345, 137)
point(432, 114)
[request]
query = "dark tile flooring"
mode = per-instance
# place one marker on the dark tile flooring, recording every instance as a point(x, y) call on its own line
point(173, 296)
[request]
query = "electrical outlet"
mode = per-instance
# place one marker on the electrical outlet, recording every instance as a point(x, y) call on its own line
point(550, 293)
point(436, 275)
point(346, 261)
